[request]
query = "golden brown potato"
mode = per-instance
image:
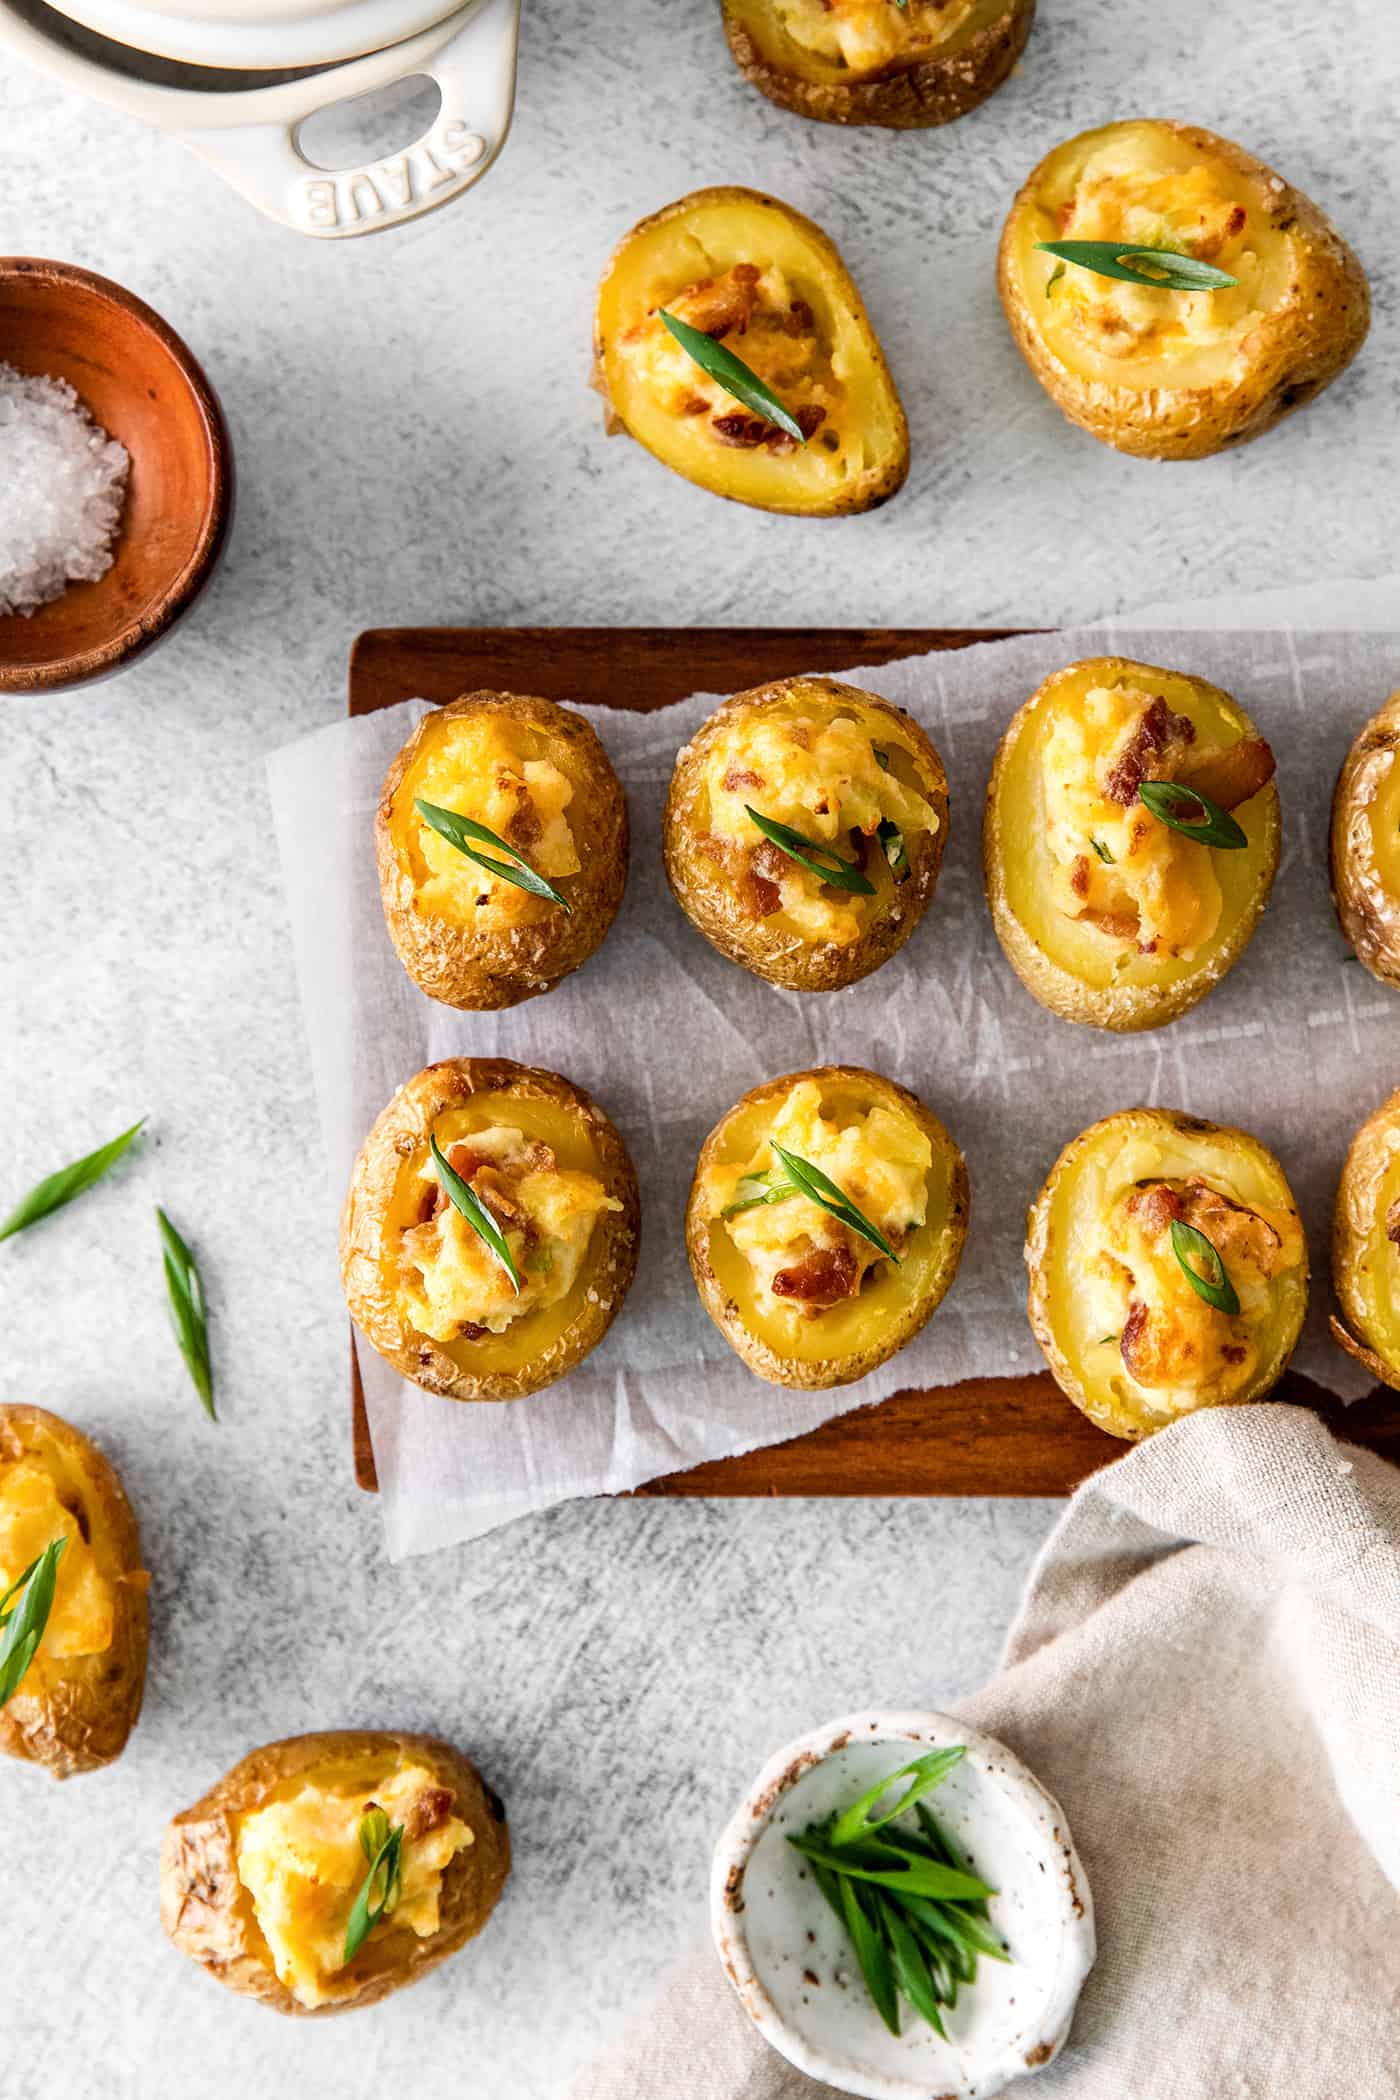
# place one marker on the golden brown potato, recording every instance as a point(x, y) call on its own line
point(1127, 1335)
point(555, 1177)
point(840, 767)
point(78, 1701)
point(867, 62)
point(801, 1297)
point(756, 276)
point(1365, 855)
point(1107, 914)
point(537, 776)
point(1174, 374)
point(1366, 1246)
point(259, 1878)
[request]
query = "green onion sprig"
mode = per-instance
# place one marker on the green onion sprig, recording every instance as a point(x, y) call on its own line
point(1161, 269)
point(472, 1208)
point(822, 860)
point(24, 1613)
point(732, 374)
point(469, 837)
point(796, 1176)
point(382, 1844)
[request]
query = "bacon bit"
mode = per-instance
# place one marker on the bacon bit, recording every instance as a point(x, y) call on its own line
point(1118, 925)
point(860, 846)
point(1067, 216)
point(1079, 876)
point(762, 880)
point(694, 405)
point(525, 829)
point(1392, 1223)
point(1133, 1329)
point(1234, 776)
point(465, 1162)
point(427, 1810)
point(1154, 1206)
point(720, 303)
point(1234, 1352)
point(742, 777)
point(470, 1332)
point(1234, 1230)
point(823, 1277)
point(1155, 730)
point(743, 432)
point(799, 320)
point(809, 421)
point(541, 1158)
point(430, 1203)
point(492, 1188)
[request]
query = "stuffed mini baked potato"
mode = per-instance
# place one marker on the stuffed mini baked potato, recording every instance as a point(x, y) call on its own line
point(808, 1294)
point(1106, 911)
point(858, 795)
point(538, 1165)
point(905, 64)
point(1170, 374)
point(537, 779)
point(1366, 1246)
point(1365, 855)
point(1135, 1207)
point(78, 1700)
point(756, 277)
point(259, 1880)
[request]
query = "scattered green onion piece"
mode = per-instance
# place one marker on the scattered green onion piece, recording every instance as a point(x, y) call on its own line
point(55, 1190)
point(1104, 855)
point(382, 1846)
point(188, 1317)
point(1202, 1267)
point(1171, 802)
point(896, 854)
point(24, 1617)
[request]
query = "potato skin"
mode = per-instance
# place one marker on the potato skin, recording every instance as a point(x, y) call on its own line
point(1367, 911)
point(403, 1126)
point(482, 972)
point(1121, 1417)
point(761, 1357)
point(1121, 1008)
point(886, 473)
point(208, 1914)
point(82, 1720)
point(708, 900)
point(900, 97)
point(1297, 350)
point(1369, 1157)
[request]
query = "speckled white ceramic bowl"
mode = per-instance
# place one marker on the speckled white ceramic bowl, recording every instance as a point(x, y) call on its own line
point(794, 1969)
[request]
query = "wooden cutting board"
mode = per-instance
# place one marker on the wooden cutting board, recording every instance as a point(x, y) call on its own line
point(986, 1436)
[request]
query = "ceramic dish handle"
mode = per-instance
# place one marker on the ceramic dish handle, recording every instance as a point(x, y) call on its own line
point(471, 59)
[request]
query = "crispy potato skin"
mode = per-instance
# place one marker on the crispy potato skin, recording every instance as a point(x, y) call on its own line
point(900, 98)
point(1297, 351)
point(886, 473)
point(882, 1341)
point(1122, 1008)
point(481, 972)
point(87, 1706)
point(209, 1915)
point(403, 1127)
point(1122, 1417)
point(1368, 912)
point(708, 899)
point(1359, 1197)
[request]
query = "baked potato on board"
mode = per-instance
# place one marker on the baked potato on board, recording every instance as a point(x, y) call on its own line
point(1364, 858)
point(1366, 1246)
point(1172, 374)
point(905, 64)
point(1127, 1206)
point(78, 1701)
point(757, 277)
point(556, 1181)
point(803, 1298)
point(537, 776)
point(853, 777)
point(258, 1880)
point(1106, 913)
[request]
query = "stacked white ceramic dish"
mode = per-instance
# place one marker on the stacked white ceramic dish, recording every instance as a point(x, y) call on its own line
point(234, 80)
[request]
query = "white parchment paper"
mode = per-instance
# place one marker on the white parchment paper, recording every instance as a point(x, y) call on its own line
point(1298, 1044)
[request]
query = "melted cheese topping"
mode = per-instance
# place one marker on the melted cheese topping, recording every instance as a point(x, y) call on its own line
point(477, 769)
point(1118, 867)
point(453, 1282)
point(881, 1160)
point(31, 1517)
point(820, 778)
point(868, 34)
point(301, 1861)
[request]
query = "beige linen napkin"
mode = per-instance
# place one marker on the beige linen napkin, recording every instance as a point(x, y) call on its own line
point(1206, 1673)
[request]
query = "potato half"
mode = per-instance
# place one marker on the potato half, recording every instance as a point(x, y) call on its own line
point(834, 764)
point(1366, 1246)
point(1170, 374)
point(1072, 859)
point(755, 275)
point(317, 1787)
point(537, 776)
point(1365, 844)
point(1125, 1333)
point(866, 62)
point(78, 1701)
point(888, 1154)
point(557, 1180)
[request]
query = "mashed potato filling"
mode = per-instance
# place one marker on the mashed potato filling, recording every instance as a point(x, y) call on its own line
point(800, 1256)
point(478, 769)
point(302, 1863)
point(824, 779)
point(454, 1286)
point(31, 1517)
point(868, 34)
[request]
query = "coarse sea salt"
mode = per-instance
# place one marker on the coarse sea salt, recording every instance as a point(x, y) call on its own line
point(62, 485)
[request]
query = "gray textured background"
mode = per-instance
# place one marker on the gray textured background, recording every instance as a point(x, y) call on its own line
point(415, 444)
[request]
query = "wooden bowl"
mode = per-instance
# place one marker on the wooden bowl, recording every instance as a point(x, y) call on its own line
point(138, 380)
